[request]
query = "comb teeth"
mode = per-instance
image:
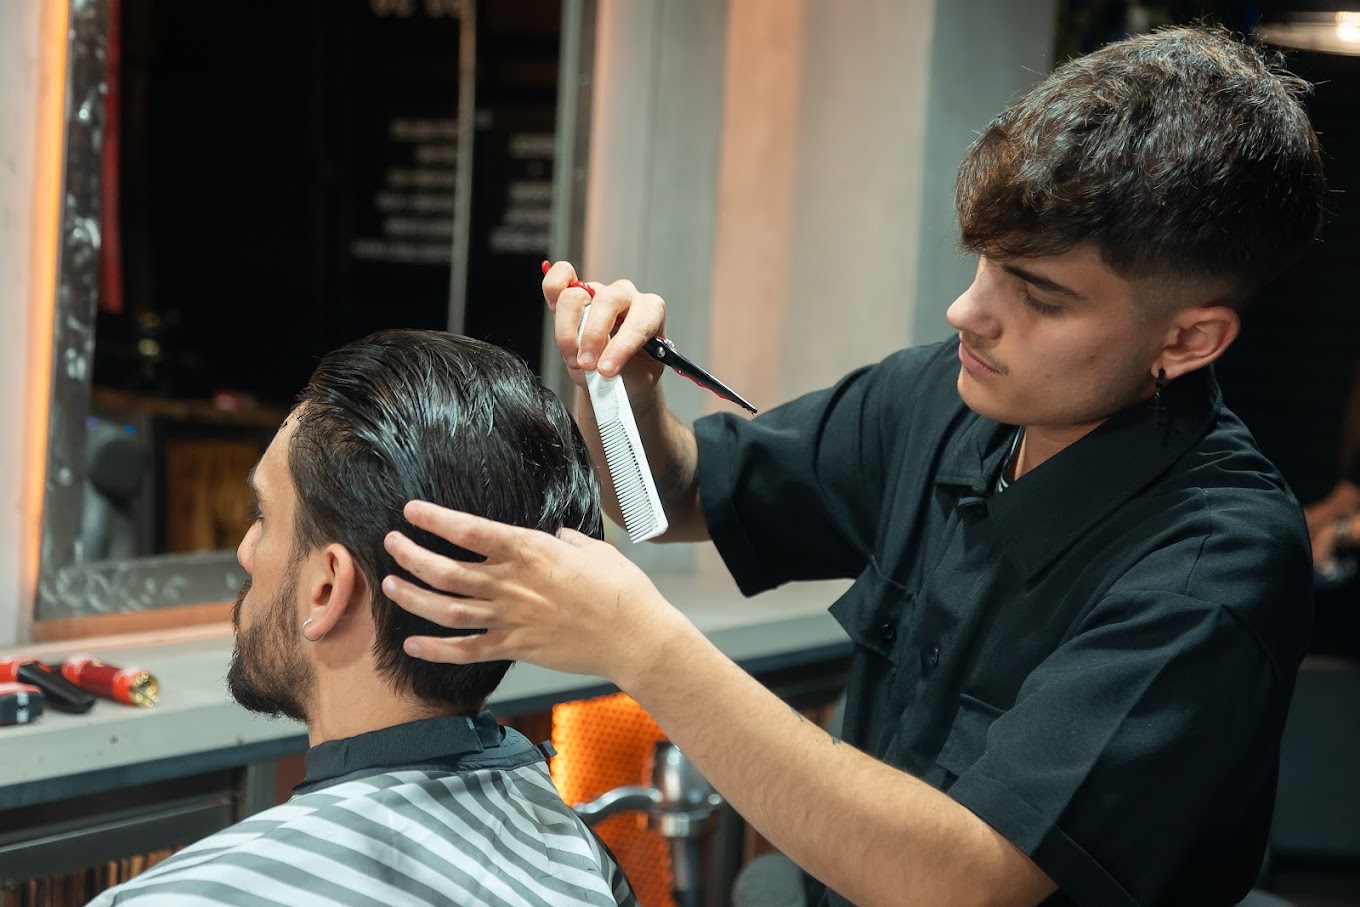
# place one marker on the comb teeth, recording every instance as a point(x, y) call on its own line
point(643, 516)
point(628, 467)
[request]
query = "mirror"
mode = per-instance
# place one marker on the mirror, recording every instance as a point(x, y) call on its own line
point(248, 186)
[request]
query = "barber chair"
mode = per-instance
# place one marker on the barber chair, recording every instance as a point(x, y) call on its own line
point(678, 804)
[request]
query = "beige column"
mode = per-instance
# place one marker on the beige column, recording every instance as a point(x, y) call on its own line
point(753, 263)
point(820, 189)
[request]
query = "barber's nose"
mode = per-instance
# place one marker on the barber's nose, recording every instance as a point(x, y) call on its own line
point(971, 314)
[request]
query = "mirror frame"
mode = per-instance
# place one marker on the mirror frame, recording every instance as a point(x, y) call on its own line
point(69, 587)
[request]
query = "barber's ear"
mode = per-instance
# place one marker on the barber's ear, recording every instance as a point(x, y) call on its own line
point(335, 586)
point(1197, 336)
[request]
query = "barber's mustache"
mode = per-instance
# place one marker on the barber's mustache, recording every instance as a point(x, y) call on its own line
point(979, 352)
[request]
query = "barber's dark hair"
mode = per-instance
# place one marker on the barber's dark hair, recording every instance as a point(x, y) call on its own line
point(406, 414)
point(1184, 154)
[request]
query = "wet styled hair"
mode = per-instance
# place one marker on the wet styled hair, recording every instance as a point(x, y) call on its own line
point(406, 414)
point(1184, 154)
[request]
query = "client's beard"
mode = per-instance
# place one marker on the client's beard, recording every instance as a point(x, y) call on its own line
point(268, 673)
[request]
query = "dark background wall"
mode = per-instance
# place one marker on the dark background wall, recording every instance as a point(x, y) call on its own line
point(1290, 375)
point(286, 184)
point(1292, 372)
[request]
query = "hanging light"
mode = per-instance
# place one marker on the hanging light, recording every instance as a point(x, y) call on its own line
point(1330, 32)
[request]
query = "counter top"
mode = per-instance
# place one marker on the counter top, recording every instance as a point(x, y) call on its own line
point(196, 718)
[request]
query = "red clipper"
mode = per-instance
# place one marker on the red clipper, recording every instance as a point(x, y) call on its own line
point(130, 686)
point(58, 692)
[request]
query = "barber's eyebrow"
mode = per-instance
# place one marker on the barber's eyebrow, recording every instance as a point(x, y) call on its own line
point(1044, 283)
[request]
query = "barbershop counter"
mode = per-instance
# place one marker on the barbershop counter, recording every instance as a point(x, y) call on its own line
point(785, 637)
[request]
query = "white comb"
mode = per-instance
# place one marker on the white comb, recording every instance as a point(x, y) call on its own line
point(628, 467)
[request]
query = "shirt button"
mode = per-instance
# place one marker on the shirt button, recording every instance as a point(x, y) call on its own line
point(934, 656)
point(887, 633)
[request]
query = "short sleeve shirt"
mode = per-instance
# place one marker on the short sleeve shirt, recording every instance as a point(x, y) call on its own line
point(1096, 661)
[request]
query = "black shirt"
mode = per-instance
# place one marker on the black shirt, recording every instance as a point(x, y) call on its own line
point(1096, 661)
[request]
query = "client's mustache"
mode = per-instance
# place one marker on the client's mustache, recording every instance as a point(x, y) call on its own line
point(236, 608)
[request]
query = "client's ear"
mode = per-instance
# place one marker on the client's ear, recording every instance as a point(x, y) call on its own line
point(335, 585)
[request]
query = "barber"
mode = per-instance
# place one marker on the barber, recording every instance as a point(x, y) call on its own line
point(1080, 592)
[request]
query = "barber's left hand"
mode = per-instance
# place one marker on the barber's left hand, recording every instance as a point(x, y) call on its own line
point(566, 602)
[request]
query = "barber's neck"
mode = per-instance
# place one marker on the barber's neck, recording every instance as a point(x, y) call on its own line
point(1040, 443)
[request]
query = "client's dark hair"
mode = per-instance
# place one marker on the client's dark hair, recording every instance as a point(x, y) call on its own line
point(410, 414)
point(1185, 155)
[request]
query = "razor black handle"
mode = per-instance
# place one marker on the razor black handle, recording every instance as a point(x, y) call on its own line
point(59, 692)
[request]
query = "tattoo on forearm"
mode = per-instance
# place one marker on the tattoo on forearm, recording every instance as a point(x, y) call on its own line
point(835, 741)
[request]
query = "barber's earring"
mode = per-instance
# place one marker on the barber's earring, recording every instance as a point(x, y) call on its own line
point(1157, 397)
point(304, 631)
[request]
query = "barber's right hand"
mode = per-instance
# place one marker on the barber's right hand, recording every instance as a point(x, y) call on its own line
point(609, 349)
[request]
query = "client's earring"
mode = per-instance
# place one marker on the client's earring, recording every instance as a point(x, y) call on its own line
point(304, 631)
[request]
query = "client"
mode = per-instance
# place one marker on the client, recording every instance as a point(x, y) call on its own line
point(413, 794)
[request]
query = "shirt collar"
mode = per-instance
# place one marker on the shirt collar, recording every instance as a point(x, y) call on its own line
point(1041, 514)
point(449, 737)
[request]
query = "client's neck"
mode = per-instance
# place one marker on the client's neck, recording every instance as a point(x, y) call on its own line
point(354, 704)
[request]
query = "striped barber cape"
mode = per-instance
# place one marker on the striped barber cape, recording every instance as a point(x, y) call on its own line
point(482, 826)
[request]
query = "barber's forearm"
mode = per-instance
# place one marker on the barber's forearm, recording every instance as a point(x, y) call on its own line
point(874, 834)
point(672, 454)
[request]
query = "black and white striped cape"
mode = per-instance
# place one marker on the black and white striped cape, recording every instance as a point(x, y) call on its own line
point(489, 837)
